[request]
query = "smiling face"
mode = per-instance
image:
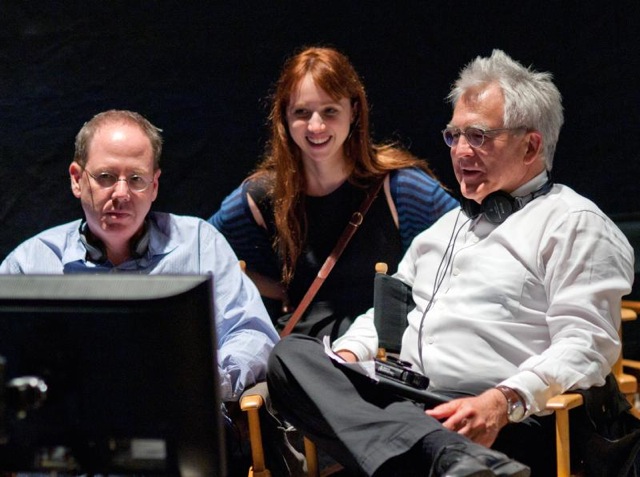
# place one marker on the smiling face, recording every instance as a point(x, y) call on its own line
point(318, 124)
point(116, 214)
point(505, 161)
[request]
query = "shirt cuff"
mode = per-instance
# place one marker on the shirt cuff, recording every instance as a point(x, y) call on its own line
point(533, 390)
point(226, 390)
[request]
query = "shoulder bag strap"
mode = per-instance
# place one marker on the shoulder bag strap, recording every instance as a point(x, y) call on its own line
point(352, 227)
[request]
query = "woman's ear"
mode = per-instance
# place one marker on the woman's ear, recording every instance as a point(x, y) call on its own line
point(75, 174)
point(355, 111)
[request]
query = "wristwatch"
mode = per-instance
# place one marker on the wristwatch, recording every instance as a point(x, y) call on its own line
point(515, 404)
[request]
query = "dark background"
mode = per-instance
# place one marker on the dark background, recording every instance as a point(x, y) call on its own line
point(202, 70)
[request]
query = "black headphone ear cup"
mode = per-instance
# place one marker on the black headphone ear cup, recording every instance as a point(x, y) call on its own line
point(95, 251)
point(470, 207)
point(141, 245)
point(497, 206)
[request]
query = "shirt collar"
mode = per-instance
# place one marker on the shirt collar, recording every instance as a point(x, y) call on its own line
point(534, 184)
point(160, 243)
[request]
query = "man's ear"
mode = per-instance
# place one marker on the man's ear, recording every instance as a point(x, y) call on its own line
point(75, 174)
point(156, 183)
point(533, 147)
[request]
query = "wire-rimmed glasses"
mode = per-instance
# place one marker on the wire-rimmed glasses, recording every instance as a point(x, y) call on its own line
point(107, 180)
point(475, 136)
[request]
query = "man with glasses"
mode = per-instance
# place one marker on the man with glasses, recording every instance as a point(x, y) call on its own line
point(115, 174)
point(517, 298)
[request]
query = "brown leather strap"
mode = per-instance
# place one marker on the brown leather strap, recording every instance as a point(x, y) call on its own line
point(323, 273)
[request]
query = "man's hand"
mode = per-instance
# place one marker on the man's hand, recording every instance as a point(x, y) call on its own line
point(479, 418)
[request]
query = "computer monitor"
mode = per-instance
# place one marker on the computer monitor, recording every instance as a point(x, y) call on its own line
point(129, 365)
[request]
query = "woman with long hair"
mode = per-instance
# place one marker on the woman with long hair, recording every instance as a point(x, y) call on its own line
point(320, 162)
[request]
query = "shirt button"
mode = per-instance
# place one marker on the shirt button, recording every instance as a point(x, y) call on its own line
point(456, 272)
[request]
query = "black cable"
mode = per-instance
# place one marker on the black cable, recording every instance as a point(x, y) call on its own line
point(440, 275)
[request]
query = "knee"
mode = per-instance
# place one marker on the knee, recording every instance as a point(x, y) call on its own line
point(291, 348)
point(292, 351)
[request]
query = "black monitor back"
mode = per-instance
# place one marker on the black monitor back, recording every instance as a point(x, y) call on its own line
point(129, 362)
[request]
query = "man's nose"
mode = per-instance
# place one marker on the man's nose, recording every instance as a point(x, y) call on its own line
point(121, 189)
point(462, 147)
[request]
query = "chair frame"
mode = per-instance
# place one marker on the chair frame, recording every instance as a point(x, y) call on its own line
point(562, 404)
point(630, 366)
point(251, 401)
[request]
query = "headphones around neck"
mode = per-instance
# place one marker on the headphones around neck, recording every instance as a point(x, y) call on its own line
point(499, 205)
point(96, 251)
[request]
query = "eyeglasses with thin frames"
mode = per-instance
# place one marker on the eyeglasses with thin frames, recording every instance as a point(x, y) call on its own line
point(475, 136)
point(106, 180)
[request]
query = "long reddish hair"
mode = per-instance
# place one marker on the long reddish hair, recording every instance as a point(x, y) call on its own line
point(366, 162)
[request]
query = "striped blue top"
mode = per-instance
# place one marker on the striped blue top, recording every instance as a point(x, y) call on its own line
point(419, 199)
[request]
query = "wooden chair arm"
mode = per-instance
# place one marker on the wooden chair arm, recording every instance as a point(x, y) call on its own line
point(631, 363)
point(566, 402)
point(631, 304)
point(254, 397)
point(251, 401)
point(561, 405)
point(632, 367)
point(627, 383)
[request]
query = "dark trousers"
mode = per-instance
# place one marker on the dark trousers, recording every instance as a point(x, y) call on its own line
point(363, 427)
point(532, 442)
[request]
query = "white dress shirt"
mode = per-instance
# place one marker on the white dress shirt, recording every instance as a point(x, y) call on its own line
point(532, 303)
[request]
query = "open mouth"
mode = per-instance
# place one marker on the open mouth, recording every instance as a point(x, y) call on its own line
point(471, 172)
point(318, 141)
point(114, 215)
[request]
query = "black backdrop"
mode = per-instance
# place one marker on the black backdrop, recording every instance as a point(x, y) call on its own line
point(201, 72)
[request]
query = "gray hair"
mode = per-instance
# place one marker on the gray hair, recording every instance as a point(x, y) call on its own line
point(86, 133)
point(531, 99)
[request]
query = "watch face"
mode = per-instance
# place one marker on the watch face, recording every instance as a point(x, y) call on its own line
point(516, 413)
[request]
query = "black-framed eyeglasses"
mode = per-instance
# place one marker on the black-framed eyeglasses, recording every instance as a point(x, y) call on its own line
point(475, 136)
point(106, 180)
